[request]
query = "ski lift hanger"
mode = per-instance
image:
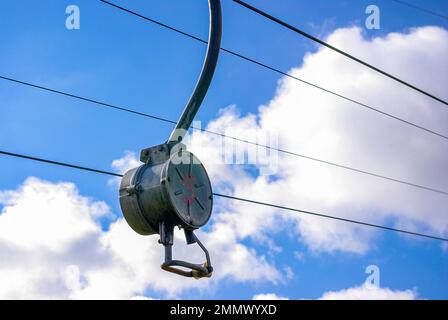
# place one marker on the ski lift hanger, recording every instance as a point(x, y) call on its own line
point(172, 187)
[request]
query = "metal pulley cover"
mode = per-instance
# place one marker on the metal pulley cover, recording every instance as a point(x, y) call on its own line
point(167, 188)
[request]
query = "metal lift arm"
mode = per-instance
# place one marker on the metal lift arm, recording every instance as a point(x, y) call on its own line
point(208, 69)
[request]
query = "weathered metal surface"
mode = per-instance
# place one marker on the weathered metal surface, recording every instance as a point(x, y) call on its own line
point(177, 191)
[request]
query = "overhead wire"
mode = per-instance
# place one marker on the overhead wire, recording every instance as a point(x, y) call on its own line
point(342, 52)
point(94, 101)
point(235, 198)
point(280, 150)
point(312, 213)
point(422, 9)
point(57, 163)
point(283, 73)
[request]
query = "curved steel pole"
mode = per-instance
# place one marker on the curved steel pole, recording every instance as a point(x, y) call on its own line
point(208, 69)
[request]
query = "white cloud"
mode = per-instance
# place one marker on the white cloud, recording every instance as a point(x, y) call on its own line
point(44, 228)
point(67, 215)
point(235, 260)
point(122, 165)
point(313, 123)
point(362, 292)
point(57, 249)
point(127, 162)
point(268, 296)
point(369, 292)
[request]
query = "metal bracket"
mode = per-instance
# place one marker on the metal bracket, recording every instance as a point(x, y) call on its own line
point(196, 271)
point(155, 155)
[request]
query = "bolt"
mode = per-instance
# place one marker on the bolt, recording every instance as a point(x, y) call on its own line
point(130, 190)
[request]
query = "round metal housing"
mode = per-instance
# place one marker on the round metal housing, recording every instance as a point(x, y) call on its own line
point(170, 189)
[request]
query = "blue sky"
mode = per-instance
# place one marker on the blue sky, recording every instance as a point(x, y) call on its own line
point(118, 58)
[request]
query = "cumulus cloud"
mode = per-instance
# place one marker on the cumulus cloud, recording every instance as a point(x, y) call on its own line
point(22, 215)
point(56, 248)
point(268, 296)
point(320, 125)
point(122, 165)
point(125, 163)
point(363, 292)
point(44, 229)
point(369, 292)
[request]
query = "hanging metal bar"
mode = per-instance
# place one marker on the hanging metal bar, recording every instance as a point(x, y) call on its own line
point(208, 69)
